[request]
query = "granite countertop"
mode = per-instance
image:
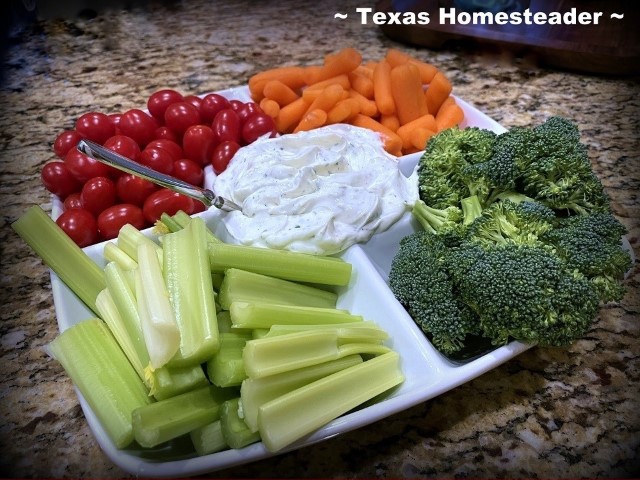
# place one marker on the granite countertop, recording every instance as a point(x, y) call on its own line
point(570, 412)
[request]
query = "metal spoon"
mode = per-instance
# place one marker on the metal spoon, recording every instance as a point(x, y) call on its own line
point(105, 155)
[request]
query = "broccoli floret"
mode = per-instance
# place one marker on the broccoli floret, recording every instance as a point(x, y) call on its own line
point(523, 292)
point(592, 245)
point(441, 177)
point(420, 280)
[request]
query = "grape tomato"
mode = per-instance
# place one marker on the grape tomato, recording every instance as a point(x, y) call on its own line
point(65, 141)
point(80, 225)
point(138, 125)
point(84, 168)
point(165, 133)
point(166, 201)
point(125, 146)
point(73, 200)
point(188, 171)
point(180, 116)
point(256, 126)
point(222, 155)
point(170, 146)
point(158, 159)
point(211, 105)
point(159, 101)
point(58, 179)
point(133, 189)
point(97, 194)
point(194, 100)
point(198, 143)
point(227, 126)
point(112, 219)
point(95, 126)
point(247, 110)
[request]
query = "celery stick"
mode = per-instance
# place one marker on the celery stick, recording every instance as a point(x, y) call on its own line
point(166, 419)
point(74, 267)
point(170, 223)
point(265, 315)
point(299, 267)
point(216, 280)
point(113, 253)
point(183, 219)
point(130, 238)
point(208, 439)
point(234, 429)
point(226, 368)
point(159, 328)
point(168, 382)
point(258, 391)
point(259, 332)
point(242, 286)
point(98, 367)
point(188, 280)
point(224, 322)
point(358, 332)
point(270, 355)
point(293, 415)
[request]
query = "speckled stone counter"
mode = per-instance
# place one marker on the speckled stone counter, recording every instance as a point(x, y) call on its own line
point(571, 412)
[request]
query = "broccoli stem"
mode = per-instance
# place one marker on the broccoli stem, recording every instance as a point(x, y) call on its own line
point(471, 209)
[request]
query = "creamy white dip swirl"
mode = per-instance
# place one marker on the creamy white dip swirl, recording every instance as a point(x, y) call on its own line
point(317, 192)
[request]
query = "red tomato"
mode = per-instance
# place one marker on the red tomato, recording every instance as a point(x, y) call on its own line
point(133, 189)
point(97, 194)
point(112, 219)
point(160, 100)
point(166, 201)
point(138, 125)
point(65, 142)
point(226, 126)
point(198, 143)
point(257, 125)
point(236, 105)
point(247, 110)
point(125, 146)
point(212, 104)
point(165, 133)
point(80, 225)
point(115, 119)
point(95, 126)
point(194, 100)
point(158, 159)
point(223, 154)
point(189, 171)
point(58, 179)
point(83, 167)
point(73, 201)
point(180, 116)
point(172, 147)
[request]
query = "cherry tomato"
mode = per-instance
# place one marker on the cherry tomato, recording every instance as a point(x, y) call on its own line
point(212, 104)
point(97, 194)
point(133, 189)
point(222, 155)
point(165, 201)
point(165, 133)
point(226, 126)
point(198, 143)
point(189, 171)
point(80, 225)
point(65, 142)
point(95, 126)
point(73, 201)
point(160, 100)
point(247, 110)
point(138, 125)
point(58, 179)
point(257, 125)
point(83, 167)
point(158, 159)
point(236, 105)
point(194, 100)
point(198, 207)
point(180, 116)
point(172, 147)
point(115, 119)
point(112, 219)
point(125, 146)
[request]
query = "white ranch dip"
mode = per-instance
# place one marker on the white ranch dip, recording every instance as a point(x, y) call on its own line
point(316, 192)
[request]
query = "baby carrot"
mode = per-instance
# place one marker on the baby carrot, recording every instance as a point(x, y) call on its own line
point(427, 71)
point(437, 92)
point(392, 142)
point(449, 116)
point(270, 107)
point(313, 119)
point(342, 80)
point(364, 70)
point(361, 84)
point(419, 137)
point(427, 121)
point(279, 92)
point(327, 98)
point(290, 115)
point(367, 107)
point(390, 121)
point(397, 57)
point(293, 77)
point(382, 88)
point(339, 63)
point(408, 96)
point(343, 111)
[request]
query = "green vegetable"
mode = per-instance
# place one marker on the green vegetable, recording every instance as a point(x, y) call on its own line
point(208, 438)
point(129, 240)
point(97, 366)
point(68, 261)
point(265, 315)
point(226, 367)
point(235, 431)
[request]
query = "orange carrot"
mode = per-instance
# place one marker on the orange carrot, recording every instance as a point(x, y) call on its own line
point(419, 137)
point(427, 71)
point(342, 80)
point(343, 111)
point(290, 115)
point(427, 121)
point(382, 88)
point(293, 77)
point(390, 121)
point(327, 98)
point(339, 63)
point(392, 142)
point(270, 107)
point(367, 107)
point(364, 70)
point(408, 96)
point(313, 119)
point(279, 92)
point(449, 116)
point(437, 92)
point(361, 84)
point(397, 57)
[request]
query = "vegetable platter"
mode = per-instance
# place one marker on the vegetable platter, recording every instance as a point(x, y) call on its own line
point(427, 373)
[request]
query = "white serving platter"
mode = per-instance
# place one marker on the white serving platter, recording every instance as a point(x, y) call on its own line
point(427, 372)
